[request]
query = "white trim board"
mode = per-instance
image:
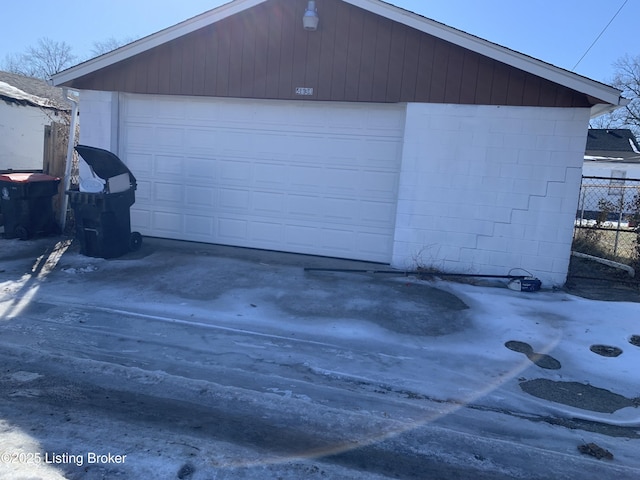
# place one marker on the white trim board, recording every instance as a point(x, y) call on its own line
point(606, 93)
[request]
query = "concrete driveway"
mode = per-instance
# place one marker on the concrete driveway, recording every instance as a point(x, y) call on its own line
point(294, 371)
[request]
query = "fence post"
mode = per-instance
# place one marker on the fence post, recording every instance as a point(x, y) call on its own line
point(54, 163)
point(584, 196)
point(620, 213)
point(607, 200)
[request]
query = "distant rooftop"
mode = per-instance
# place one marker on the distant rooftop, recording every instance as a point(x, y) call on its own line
point(612, 140)
point(31, 91)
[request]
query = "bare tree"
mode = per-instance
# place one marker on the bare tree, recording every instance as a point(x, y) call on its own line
point(627, 79)
point(43, 60)
point(108, 45)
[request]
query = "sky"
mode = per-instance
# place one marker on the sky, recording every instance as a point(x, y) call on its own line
point(559, 32)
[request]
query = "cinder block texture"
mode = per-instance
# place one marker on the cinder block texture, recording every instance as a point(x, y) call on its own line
point(496, 188)
point(98, 119)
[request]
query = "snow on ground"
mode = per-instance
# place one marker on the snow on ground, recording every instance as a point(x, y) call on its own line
point(247, 309)
point(474, 358)
point(565, 327)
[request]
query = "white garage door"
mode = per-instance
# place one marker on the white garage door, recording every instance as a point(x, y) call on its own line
point(305, 177)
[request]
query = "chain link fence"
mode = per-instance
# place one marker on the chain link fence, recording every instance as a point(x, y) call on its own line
point(608, 219)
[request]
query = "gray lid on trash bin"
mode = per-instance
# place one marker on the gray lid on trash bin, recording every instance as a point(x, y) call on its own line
point(104, 163)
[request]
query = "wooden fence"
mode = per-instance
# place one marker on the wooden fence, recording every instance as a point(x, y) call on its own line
point(56, 139)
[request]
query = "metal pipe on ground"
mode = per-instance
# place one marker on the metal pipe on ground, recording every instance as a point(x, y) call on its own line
point(610, 263)
point(414, 272)
point(521, 283)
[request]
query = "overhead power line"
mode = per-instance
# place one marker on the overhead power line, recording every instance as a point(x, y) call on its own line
point(600, 35)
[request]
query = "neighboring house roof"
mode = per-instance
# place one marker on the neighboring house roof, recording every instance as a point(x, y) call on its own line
point(612, 145)
point(602, 97)
point(31, 91)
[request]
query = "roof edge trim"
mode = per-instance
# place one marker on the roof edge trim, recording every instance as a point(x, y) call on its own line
point(605, 93)
point(155, 39)
point(489, 49)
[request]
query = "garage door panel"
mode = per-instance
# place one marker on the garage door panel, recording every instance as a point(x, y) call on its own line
point(376, 184)
point(371, 243)
point(235, 172)
point(303, 148)
point(231, 199)
point(141, 163)
point(204, 112)
point(266, 234)
point(142, 218)
point(300, 236)
point(304, 206)
point(232, 229)
point(377, 213)
point(341, 181)
point(171, 193)
point(200, 196)
point(138, 110)
point(199, 225)
point(170, 137)
point(337, 240)
point(170, 109)
point(143, 192)
point(304, 178)
point(345, 151)
point(307, 177)
point(201, 140)
point(379, 152)
point(340, 210)
point(200, 170)
point(271, 175)
point(273, 144)
point(233, 144)
point(139, 135)
point(269, 203)
point(168, 166)
point(167, 222)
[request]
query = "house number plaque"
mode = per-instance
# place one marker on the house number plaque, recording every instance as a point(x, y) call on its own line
point(307, 91)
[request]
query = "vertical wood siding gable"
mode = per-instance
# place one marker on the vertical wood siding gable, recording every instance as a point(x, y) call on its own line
point(355, 56)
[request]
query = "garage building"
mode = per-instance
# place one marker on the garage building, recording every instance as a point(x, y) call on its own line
point(381, 135)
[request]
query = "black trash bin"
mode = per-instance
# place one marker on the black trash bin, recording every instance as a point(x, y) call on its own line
point(26, 204)
point(103, 221)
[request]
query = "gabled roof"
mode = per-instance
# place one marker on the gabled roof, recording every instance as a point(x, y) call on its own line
point(612, 145)
point(492, 50)
point(614, 140)
point(23, 90)
point(606, 97)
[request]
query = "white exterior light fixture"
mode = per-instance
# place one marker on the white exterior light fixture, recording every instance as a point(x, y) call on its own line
point(310, 19)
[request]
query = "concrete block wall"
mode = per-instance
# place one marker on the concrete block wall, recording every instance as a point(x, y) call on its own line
point(488, 189)
point(98, 119)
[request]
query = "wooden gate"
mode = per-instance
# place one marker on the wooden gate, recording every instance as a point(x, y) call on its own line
point(56, 139)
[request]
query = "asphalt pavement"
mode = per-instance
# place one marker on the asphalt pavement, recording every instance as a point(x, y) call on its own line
point(205, 361)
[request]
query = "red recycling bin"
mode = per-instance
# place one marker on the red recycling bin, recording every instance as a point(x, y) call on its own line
point(26, 204)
